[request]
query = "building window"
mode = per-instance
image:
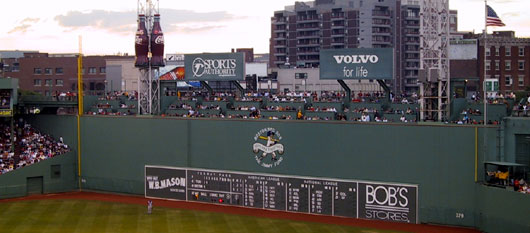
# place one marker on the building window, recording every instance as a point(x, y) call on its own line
point(102, 70)
point(508, 51)
point(47, 93)
point(497, 65)
point(92, 70)
point(521, 51)
point(59, 70)
point(48, 71)
point(48, 82)
point(59, 82)
point(37, 82)
point(521, 80)
point(488, 65)
point(300, 75)
point(521, 65)
point(508, 65)
point(16, 67)
point(508, 80)
point(497, 51)
point(37, 71)
point(488, 52)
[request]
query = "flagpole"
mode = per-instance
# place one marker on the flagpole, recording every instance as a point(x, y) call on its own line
point(484, 81)
point(485, 60)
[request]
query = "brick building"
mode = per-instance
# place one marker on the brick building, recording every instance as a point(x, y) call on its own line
point(508, 61)
point(50, 74)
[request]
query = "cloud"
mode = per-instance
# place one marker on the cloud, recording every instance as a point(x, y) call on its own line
point(125, 22)
point(22, 28)
point(511, 14)
point(30, 20)
point(25, 24)
point(194, 29)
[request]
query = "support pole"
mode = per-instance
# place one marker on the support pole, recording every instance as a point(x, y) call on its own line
point(80, 108)
point(347, 89)
point(386, 88)
point(239, 87)
point(485, 100)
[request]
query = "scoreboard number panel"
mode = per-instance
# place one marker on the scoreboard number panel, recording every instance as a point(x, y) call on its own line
point(322, 196)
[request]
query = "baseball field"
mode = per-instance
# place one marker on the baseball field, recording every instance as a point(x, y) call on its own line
point(96, 212)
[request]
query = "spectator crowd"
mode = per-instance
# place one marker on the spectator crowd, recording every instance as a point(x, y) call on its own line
point(30, 146)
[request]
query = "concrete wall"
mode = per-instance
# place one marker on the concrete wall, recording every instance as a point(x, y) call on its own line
point(129, 74)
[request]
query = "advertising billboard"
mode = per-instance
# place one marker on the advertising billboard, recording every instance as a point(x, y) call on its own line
point(175, 74)
point(215, 67)
point(165, 183)
point(388, 202)
point(6, 107)
point(362, 63)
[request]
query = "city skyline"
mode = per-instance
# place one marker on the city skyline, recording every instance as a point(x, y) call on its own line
point(108, 27)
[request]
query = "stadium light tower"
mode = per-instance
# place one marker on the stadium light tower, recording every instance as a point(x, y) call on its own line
point(149, 49)
point(434, 60)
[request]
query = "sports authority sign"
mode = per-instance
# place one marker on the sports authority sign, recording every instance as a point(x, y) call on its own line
point(374, 63)
point(215, 67)
point(325, 196)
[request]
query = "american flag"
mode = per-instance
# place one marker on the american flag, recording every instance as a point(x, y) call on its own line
point(493, 19)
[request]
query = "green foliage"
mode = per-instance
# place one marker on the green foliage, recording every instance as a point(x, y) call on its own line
point(522, 94)
point(26, 93)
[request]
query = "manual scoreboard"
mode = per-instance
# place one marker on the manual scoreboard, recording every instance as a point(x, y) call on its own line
point(334, 197)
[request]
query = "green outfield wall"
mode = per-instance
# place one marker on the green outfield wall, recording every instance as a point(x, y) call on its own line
point(57, 174)
point(442, 160)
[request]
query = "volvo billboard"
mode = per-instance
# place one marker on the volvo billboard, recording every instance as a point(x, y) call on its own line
point(363, 63)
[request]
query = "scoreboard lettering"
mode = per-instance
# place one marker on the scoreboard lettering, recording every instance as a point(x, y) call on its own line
point(335, 197)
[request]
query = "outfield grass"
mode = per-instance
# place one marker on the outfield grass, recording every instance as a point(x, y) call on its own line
point(93, 216)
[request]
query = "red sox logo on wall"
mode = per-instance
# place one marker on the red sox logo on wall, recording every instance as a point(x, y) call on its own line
point(271, 145)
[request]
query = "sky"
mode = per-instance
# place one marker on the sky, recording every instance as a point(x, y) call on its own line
point(108, 26)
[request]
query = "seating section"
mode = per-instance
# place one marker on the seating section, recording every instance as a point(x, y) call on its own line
point(290, 106)
point(32, 146)
point(117, 106)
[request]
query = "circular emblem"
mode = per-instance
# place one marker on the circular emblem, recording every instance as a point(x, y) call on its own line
point(267, 148)
point(198, 66)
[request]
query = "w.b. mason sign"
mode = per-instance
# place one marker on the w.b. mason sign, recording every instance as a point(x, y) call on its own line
point(363, 63)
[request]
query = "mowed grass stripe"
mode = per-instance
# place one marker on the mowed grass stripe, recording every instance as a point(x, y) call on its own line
point(235, 224)
point(173, 220)
point(252, 224)
point(6, 208)
point(89, 216)
point(159, 221)
point(93, 216)
point(38, 214)
point(74, 214)
point(54, 218)
point(16, 215)
point(269, 224)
